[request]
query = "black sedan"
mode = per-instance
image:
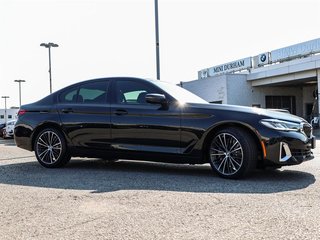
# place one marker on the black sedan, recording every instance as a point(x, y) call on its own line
point(138, 119)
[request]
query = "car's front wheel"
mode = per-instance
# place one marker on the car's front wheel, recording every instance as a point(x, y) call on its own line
point(4, 136)
point(51, 149)
point(232, 153)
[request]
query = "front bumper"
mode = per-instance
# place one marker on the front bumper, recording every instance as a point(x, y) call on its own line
point(289, 149)
point(6, 134)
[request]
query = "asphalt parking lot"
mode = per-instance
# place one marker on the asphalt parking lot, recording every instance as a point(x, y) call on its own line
point(92, 199)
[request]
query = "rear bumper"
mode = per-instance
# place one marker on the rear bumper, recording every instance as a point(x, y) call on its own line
point(23, 137)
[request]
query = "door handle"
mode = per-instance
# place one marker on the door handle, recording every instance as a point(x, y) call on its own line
point(67, 110)
point(120, 112)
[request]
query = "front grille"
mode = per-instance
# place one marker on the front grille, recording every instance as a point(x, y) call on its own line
point(301, 154)
point(307, 129)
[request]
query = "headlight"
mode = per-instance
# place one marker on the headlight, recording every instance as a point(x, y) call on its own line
point(281, 125)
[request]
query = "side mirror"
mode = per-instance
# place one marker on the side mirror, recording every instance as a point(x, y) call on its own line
point(155, 98)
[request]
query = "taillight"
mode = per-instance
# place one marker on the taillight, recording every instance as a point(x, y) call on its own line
point(21, 112)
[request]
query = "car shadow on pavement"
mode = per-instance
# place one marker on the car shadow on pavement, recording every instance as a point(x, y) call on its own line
point(99, 176)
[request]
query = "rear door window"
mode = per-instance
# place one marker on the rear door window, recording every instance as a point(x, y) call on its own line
point(95, 92)
point(92, 92)
point(69, 96)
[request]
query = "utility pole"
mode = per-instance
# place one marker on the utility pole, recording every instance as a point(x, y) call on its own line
point(19, 81)
point(157, 38)
point(49, 46)
point(5, 108)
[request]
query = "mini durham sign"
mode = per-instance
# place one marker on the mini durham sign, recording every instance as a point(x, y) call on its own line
point(234, 66)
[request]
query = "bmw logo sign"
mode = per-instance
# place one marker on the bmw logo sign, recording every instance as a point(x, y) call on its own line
point(263, 58)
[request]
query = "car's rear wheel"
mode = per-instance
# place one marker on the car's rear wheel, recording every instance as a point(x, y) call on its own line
point(232, 153)
point(51, 149)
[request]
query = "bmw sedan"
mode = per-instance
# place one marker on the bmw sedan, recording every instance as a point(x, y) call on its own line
point(138, 119)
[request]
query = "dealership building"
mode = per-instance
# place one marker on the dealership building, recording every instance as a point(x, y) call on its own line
point(285, 78)
point(8, 114)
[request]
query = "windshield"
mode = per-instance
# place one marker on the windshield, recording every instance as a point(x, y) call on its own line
point(179, 93)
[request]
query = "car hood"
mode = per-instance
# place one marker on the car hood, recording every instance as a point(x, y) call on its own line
point(264, 113)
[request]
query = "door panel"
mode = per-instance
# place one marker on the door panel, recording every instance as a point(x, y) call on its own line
point(140, 126)
point(145, 128)
point(86, 125)
point(85, 115)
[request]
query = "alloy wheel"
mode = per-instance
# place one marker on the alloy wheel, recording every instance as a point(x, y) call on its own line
point(48, 147)
point(226, 154)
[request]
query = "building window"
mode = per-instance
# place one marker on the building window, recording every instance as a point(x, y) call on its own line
point(282, 102)
point(9, 116)
point(2, 116)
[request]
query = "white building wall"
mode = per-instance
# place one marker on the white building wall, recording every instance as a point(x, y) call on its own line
point(236, 90)
point(239, 90)
point(11, 114)
point(318, 84)
point(212, 89)
point(259, 95)
point(308, 98)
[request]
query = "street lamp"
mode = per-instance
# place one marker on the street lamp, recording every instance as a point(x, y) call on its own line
point(49, 45)
point(5, 108)
point(157, 38)
point(19, 81)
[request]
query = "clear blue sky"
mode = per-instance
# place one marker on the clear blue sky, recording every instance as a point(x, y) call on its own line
point(103, 38)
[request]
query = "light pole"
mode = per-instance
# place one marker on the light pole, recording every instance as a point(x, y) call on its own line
point(157, 38)
point(19, 81)
point(5, 108)
point(49, 45)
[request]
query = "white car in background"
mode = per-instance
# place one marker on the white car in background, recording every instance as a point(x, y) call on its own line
point(8, 130)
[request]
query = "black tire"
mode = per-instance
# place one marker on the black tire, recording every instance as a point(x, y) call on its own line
point(232, 153)
point(51, 149)
point(4, 136)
